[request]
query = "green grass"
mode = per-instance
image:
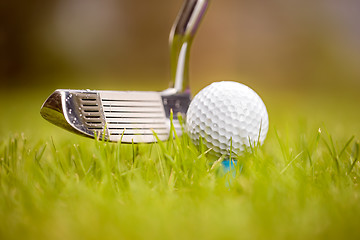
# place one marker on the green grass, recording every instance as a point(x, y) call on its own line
point(302, 183)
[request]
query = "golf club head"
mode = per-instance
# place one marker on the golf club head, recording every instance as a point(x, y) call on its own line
point(126, 116)
point(133, 116)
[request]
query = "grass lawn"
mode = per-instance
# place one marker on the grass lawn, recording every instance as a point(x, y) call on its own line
point(302, 183)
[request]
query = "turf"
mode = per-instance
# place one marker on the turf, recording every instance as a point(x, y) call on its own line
point(302, 183)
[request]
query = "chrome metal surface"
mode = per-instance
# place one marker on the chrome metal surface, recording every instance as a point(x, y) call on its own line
point(78, 111)
point(126, 116)
point(181, 37)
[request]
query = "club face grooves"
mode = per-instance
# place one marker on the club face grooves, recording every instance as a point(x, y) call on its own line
point(83, 112)
point(134, 116)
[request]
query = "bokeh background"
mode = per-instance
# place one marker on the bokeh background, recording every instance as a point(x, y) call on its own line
point(302, 57)
point(123, 44)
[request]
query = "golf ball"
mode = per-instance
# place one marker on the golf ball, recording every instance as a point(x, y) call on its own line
point(227, 115)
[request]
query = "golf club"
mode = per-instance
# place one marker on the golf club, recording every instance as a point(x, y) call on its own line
point(133, 116)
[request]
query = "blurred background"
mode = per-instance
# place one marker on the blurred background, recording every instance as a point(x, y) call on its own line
point(302, 57)
point(123, 44)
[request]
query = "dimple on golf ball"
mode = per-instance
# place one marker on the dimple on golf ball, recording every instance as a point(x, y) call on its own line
point(227, 115)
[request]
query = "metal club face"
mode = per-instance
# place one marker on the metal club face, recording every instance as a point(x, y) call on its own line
point(126, 116)
point(133, 116)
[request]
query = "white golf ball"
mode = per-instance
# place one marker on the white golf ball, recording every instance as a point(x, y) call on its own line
point(227, 115)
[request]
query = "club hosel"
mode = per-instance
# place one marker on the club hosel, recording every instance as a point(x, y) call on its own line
point(180, 65)
point(181, 37)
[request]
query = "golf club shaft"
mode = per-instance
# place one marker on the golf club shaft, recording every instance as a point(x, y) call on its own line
point(181, 37)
